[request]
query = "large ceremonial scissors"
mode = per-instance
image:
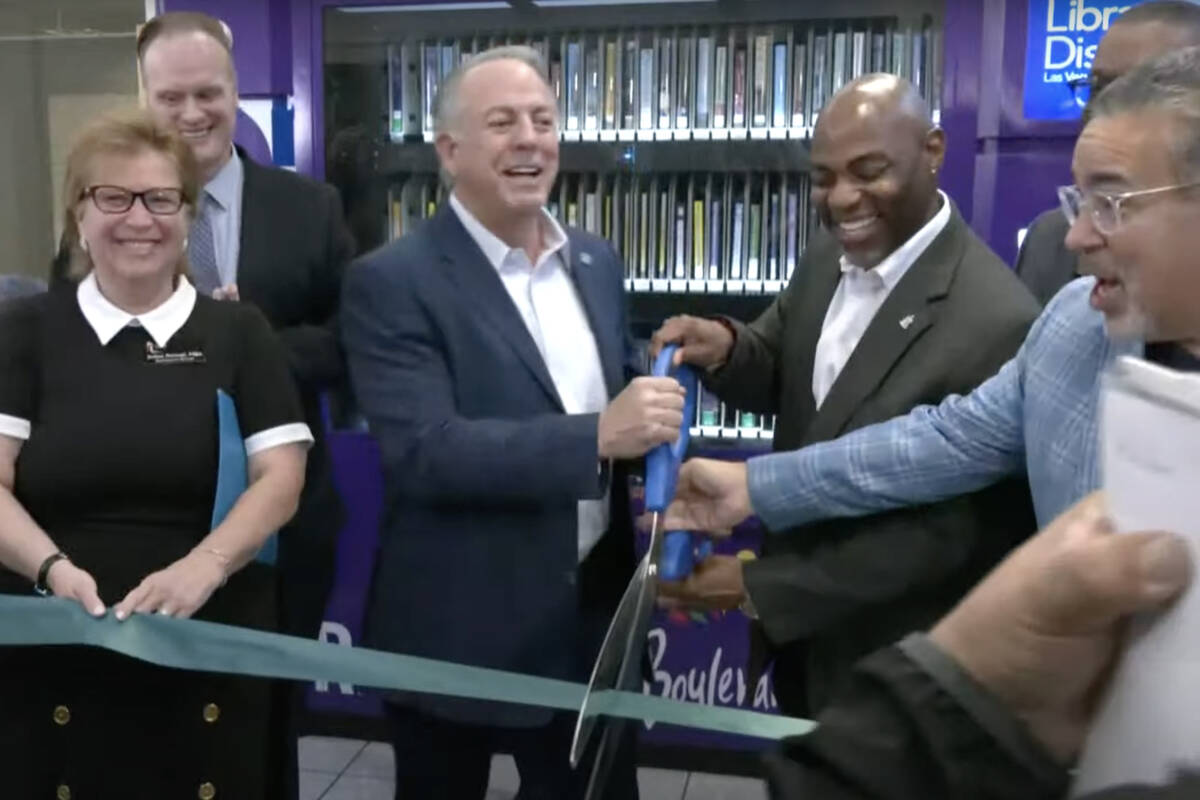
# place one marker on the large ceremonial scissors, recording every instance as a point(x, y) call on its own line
point(670, 557)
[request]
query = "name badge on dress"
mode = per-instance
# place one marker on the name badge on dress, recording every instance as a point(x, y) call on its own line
point(157, 355)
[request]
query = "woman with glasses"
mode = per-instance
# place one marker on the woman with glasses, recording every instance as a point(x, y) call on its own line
point(108, 471)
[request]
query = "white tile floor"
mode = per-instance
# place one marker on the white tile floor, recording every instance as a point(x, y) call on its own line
point(347, 769)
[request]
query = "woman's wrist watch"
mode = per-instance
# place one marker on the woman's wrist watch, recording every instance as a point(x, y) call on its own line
point(39, 585)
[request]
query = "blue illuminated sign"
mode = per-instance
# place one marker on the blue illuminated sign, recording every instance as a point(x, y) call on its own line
point(1063, 35)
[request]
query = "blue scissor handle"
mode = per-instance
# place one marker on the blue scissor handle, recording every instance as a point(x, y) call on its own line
point(662, 463)
point(679, 553)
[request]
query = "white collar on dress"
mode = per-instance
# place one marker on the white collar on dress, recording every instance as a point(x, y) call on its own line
point(161, 323)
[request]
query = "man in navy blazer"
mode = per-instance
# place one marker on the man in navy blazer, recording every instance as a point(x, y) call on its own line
point(489, 352)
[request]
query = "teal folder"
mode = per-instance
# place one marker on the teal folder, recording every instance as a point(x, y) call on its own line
point(232, 475)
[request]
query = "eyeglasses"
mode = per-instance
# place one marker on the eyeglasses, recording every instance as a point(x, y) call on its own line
point(161, 202)
point(1082, 90)
point(1105, 207)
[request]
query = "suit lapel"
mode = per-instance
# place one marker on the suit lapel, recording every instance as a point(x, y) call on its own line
point(252, 249)
point(820, 280)
point(594, 285)
point(480, 284)
point(905, 315)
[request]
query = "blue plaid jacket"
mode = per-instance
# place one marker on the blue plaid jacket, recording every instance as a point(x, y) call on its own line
point(1038, 413)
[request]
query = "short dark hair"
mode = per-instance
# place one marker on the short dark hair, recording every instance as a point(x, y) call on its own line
point(1170, 84)
point(178, 22)
point(1178, 14)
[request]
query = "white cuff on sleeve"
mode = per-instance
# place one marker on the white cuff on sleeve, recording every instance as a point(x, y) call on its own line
point(15, 427)
point(292, 433)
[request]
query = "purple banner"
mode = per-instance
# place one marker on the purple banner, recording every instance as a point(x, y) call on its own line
point(702, 658)
point(359, 478)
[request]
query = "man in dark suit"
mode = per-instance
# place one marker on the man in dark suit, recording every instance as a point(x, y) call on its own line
point(490, 354)
point(1044, 263)
point(273, 238)
point(1142, 33)
point(895, 303)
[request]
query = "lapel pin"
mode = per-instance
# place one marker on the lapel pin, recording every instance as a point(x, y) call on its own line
point(585, 258)
point(906, 322)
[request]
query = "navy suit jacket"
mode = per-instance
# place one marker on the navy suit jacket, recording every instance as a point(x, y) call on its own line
point(483, 468)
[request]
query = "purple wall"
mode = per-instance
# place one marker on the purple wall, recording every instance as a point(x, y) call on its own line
point(960, 100)
point(1007, 165)
point(262, 43)
point(307, 58)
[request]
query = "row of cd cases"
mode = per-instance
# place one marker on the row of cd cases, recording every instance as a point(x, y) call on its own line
point(718, 420)
point(766, 82)
point(723, 233)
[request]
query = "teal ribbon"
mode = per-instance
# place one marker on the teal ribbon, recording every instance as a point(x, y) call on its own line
point(209, 647)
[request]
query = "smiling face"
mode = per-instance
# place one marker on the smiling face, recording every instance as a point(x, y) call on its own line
point(1147, 285)
point(500, 146)
point(135, 245)
point(190, 86)
point(874, 181)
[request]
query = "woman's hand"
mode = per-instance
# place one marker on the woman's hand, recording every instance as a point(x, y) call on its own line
point(67, 580)
point(177, 591)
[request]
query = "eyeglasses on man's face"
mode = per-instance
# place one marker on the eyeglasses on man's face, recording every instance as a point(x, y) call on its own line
point(1081, 90)
point(1084, 90)
point(1106, 208)
point(162, 201)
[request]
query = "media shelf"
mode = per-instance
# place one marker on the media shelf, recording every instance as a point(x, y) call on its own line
point(726, 90)
point(399, 159)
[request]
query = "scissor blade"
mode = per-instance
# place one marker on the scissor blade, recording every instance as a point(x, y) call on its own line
point(656, 536)
point(619, 663)
point(610, 662)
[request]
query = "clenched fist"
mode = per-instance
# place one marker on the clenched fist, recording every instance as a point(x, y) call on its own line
point(648, 413)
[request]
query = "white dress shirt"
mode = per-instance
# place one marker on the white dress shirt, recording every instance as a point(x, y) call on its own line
point(548, 302)
point(860, 294)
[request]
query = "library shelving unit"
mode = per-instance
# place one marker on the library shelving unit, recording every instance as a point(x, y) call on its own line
point(684, 130)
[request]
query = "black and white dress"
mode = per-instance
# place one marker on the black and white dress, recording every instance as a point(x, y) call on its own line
point(119, 464)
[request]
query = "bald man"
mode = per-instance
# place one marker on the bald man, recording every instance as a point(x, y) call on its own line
point(1140, 34)
point(895, 303)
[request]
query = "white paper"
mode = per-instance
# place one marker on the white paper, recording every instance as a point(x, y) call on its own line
point(1149, 722)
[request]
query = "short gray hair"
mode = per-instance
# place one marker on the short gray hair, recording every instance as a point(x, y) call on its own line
point(445, 103)
point(1171, 84)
